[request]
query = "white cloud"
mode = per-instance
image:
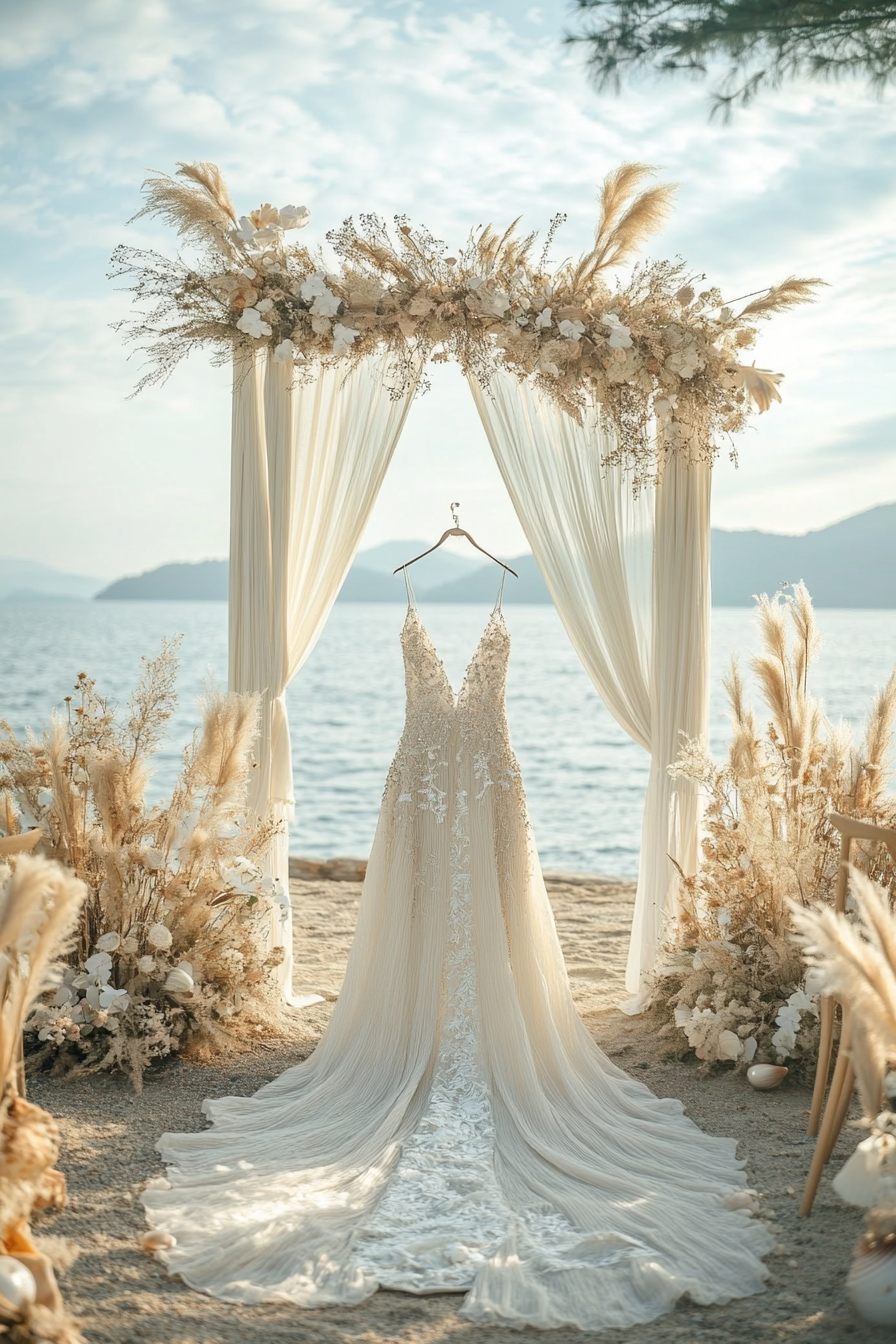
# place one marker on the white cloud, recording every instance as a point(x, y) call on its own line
point(456, 114)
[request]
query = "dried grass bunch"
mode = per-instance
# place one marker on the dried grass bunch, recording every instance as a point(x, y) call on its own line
point(663, 361)
point(39, 904)
point(174, 939)
point(732, 986)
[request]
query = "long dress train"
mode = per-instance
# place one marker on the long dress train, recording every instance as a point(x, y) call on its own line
point(457, 1128)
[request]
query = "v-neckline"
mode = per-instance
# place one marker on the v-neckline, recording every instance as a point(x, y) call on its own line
point(495, 616)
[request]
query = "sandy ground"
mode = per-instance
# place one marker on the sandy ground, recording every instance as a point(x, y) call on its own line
point(123, 1296)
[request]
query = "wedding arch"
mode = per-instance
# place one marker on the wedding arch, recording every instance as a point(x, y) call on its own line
point(605, 405)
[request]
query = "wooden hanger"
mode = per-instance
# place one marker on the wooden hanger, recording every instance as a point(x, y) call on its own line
point(455, 531)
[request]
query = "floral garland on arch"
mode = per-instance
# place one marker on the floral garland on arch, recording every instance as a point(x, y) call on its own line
point(663, 361)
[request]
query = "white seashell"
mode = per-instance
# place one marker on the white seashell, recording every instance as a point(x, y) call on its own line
point(180, 981)
point(766, 1076)
point(16, 1282)
point(871, 1286)
point(157, 1241)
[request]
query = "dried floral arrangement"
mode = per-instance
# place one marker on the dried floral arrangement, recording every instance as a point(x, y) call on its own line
point(39, 904)
point(731, 983)
point(174, 939)
point(662, 360)
point(854, 957)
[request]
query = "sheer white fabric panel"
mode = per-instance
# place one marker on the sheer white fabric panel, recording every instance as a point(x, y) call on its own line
point(592, 539)
point(679, 696)
point(308, 460)
point(630, 580)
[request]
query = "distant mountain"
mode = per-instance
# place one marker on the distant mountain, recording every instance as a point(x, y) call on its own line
point(27, 580)
point(370, 578)
point(483, 586)
point(849, 564)
point(202, 582)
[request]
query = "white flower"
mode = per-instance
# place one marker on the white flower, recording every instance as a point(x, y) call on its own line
point(343, 338)
point(544, 318)
point(573, 331)
point(99, 966)
point(801, 1001)
point(620, 335)
point(114, 1000)
point(264, 306)
point(63, 996)
point(314, 285)
point(146, 965)
point(723, 919)
point(159, 936)
point(326, 304)
point(867, 1178)
point(294, 216)
point(495, 305)
point(246, 230)
point(252, 324)
point(109, 942)
point(45, 798)
point(283, 354)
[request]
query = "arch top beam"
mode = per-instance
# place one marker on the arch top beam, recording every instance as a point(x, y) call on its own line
point(663, 362)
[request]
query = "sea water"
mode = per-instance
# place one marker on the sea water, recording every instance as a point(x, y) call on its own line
point(584, 777)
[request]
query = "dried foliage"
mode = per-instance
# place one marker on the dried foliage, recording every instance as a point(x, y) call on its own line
point(855, 958)
point(39, 903)
point(174, 947)
point(661, 360)
point(733, 981)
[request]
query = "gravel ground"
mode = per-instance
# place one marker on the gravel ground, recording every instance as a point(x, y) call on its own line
point(123, 1296)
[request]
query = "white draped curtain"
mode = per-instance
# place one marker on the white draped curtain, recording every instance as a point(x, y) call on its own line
point(308, 460)
point(630, 579)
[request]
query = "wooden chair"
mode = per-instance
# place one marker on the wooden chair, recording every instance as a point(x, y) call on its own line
point(827, 1121)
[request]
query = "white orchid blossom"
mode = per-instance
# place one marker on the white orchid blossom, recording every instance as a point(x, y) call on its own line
point(544, 318)
point(283, 354)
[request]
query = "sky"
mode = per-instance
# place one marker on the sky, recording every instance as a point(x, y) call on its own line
point(455, 113)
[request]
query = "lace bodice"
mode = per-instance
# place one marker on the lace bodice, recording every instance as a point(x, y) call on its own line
point(441, 727)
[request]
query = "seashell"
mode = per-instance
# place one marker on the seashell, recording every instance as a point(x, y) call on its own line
point(17, 1283)
point(157, 1241)
point(766, 1076)
point(180, 981)
point(871, 1286)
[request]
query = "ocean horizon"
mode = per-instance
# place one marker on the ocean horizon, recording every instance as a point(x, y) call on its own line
point(585, 779)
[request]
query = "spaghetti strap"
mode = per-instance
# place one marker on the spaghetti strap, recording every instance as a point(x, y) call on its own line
point(497, 606)
point(412, 601)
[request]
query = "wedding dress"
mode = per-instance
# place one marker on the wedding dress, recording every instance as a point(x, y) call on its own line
point(457, 1129)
